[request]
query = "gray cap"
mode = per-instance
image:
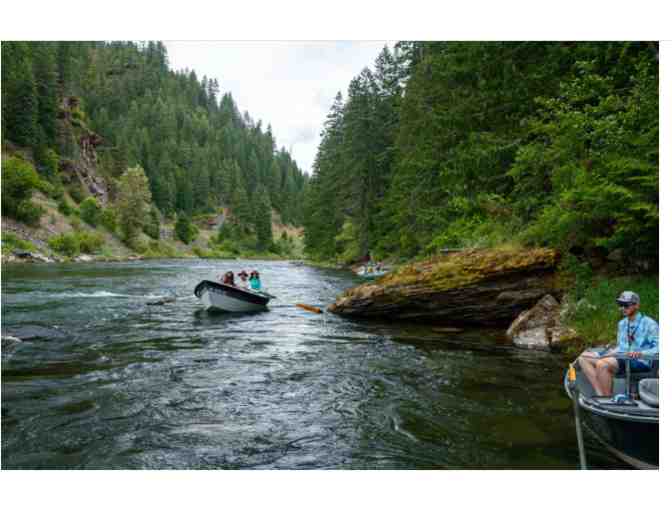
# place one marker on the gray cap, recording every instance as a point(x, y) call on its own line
point(628, 297)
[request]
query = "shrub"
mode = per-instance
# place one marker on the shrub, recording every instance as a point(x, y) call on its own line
point(90, 242)
point(108, 218)
point(76, 192)
point(10, 242)
point(74, 243)
point(63, 207)
point(29, 213)
point(153, 225)
point(90, 211)
point(65, 244)
point(19, 180)
point(184, 230)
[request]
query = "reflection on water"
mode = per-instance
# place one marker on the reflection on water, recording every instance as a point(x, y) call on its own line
point(127, 385)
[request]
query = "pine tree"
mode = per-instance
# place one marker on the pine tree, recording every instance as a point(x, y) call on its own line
point(263, 219)
point(20, 107)
point(46, 78)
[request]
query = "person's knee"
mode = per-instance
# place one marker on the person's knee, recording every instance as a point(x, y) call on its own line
point(608, 365)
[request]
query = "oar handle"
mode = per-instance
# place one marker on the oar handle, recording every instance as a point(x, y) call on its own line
point(624, 355)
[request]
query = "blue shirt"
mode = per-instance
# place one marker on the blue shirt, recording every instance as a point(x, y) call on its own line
point(644, 333)
point(255, 284)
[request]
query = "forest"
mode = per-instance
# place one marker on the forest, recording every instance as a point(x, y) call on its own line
point(439, 145)
point(452, 145)
point(195, 148)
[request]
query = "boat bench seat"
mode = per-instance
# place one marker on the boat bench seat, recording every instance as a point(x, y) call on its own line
point(648, 391)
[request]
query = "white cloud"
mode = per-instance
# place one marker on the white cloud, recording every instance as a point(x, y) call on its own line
point(290, 85)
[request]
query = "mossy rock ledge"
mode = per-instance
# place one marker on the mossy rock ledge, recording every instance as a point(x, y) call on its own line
point(472, 287)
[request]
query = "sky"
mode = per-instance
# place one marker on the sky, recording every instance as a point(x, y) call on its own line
point(289, 85)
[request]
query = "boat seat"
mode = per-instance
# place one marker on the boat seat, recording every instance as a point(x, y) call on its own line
point(648, 391)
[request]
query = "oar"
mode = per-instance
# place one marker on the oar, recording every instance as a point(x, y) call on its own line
point(571, 375)
point(313, 309)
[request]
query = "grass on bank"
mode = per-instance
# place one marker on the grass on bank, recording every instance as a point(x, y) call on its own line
point(11, 242)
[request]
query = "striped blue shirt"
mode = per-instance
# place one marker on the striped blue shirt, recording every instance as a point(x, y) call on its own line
point(644, 333)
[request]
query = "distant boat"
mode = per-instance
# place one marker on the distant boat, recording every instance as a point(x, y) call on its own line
point(371, 272)
point(229, 298)
point(628, 424)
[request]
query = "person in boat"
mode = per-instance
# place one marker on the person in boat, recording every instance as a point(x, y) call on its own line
point(637, 336)
point(244, 279)
point(255, 281)
point(227, 278)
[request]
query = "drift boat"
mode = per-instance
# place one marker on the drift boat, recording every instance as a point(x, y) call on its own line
point(229, 298)
point(370, 272)
point(627, 423)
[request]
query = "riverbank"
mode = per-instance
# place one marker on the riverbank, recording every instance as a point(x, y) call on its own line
point(546, 300)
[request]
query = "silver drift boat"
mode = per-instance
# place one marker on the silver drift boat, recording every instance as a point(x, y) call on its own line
point(229, 298)
point(626, 424)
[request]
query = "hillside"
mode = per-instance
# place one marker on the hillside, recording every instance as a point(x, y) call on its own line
point(108, 151)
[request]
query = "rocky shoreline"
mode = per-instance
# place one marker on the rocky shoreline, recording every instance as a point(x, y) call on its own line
point(516, 290)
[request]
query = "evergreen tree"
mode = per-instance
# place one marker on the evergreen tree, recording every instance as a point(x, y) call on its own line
point(263, 219)
point(132, 202)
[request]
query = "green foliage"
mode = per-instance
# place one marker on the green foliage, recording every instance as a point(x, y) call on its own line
point(76, 191)
point(90, 242)
point(64, 207)
point(73, 243)
point(108, 218)
point(19, 94)
point(19, 180)
point(11, 242)
point(520, 142)
point(65, 244)
point(159, 249)
point(29, 213)
point(153, 225)
point(132, 203)
point(90, 211)
point(598, 161)
point(185, 231)
point(580, 273)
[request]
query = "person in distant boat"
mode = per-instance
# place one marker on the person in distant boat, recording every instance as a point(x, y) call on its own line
point(244, 282)
point(227, 278)
point(637, 336)
point(255, 281)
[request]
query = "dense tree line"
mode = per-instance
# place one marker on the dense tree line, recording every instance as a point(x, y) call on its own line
point(197, 150)
point(459, 144)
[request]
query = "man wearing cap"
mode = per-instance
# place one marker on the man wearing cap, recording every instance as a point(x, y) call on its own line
point(637, 336)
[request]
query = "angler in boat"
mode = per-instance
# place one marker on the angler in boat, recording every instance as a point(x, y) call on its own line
point(615, 390)
point(637, 336)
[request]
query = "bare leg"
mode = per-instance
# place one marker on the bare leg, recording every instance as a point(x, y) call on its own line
point(588, 361)
point(606, 368)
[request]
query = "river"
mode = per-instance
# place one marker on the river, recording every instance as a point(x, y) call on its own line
point(126, 385)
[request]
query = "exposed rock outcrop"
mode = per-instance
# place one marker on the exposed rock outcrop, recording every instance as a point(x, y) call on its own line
point(475, 287)
point(539, 327)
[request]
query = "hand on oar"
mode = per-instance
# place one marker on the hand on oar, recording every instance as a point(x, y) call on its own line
point(313, 309)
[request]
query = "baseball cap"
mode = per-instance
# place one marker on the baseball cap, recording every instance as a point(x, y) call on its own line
point(627, 297)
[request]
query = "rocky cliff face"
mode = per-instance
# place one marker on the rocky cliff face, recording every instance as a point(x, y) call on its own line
point(83, 166)
point(475, 287)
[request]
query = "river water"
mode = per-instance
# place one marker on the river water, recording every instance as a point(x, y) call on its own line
point(126, 385)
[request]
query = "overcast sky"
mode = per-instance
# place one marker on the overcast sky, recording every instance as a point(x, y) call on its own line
point(289, 85)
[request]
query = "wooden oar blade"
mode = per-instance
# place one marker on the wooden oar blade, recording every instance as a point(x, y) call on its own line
point(313, 309)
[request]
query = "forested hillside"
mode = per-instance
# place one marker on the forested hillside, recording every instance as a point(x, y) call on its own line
point(467, 144)
point(198, 152)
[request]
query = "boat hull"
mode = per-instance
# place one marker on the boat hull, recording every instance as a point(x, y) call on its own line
point(631, 435)
point(226, 298)
point(635, 443)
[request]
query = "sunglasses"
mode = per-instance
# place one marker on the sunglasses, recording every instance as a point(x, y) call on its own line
point(622, 305)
